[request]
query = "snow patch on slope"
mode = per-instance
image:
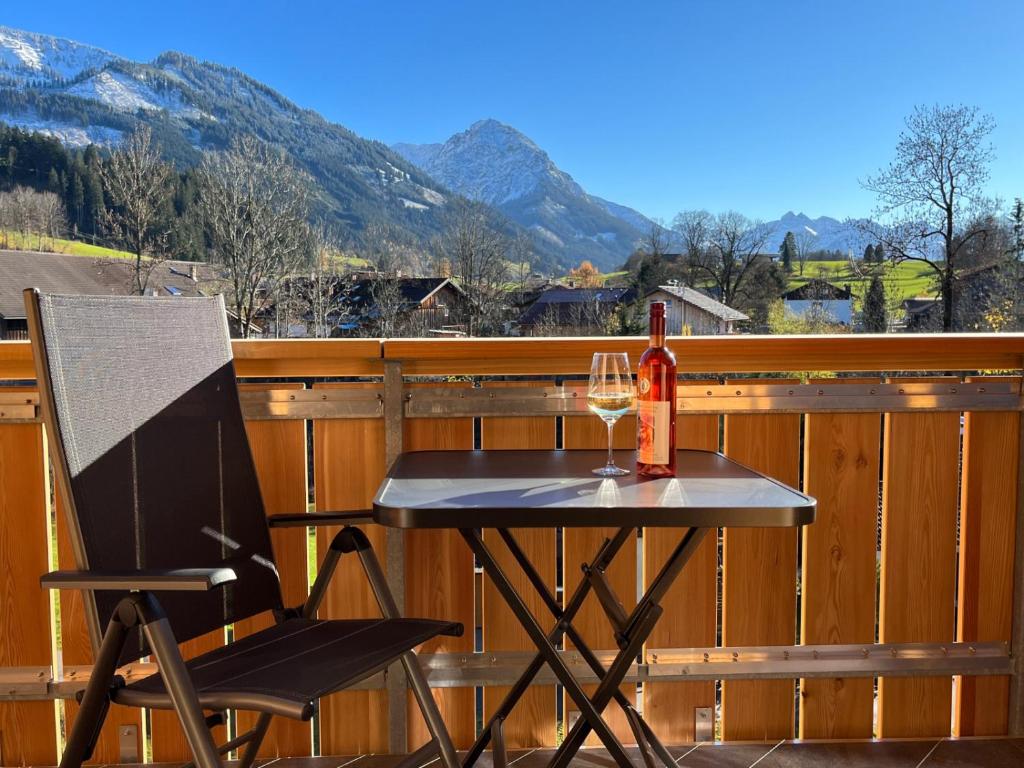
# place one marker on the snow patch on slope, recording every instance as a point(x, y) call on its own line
point(70, 135)
point(127, 94)
point(30, 56)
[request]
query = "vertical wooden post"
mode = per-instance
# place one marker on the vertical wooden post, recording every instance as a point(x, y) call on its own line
point(1016, 722)
point(394, 414)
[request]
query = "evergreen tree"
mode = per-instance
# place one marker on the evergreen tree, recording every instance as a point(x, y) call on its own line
point(875, 318)
point(53, 182)
point(788, 250)
point(869, 254)
point(75, 199)
point(879, 254)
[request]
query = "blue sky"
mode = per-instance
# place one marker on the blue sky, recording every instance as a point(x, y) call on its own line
point(756, 106)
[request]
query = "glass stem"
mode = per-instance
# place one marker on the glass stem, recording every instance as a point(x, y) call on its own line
point(611, 457)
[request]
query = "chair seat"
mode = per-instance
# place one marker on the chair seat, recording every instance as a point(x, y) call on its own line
point(283, 669)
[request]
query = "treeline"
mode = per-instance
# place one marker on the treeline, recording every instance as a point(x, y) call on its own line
point(41, 163)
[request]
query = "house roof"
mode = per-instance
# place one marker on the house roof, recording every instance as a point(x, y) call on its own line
point(413, 290)
point(818, 289)
point(919, 304)
point(700, 300)
point(62, 273)
point(558, 303)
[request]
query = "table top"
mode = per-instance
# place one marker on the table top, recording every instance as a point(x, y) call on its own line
point(542, 489)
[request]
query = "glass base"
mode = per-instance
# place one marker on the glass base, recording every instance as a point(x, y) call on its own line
point(610, 471)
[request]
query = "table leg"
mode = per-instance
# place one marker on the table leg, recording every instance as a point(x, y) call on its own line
point(564, 618)
point(637, 631)
point(588, 711)
point(601, 560)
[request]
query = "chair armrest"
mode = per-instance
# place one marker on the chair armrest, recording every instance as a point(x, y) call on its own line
point(152, 579)
point(320, 518)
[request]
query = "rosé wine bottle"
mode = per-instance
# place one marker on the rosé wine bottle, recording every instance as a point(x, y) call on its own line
point(656, 403)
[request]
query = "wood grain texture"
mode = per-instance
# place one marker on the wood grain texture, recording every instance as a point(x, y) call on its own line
point(740, 353)
point(532, 723)
point(28, 733)
point(988, 510)
point(279, 452)
point(841, 470)
point(759, 581)
point(361, 357)
point(579, 546)
point(439, 585)
point(348, 466)
point(77, 649)
point(307, 357)
point(920, 476)
point(691, 612)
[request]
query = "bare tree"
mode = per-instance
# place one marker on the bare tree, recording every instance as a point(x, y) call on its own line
point(323, 290)
point(806, 244)
point(522, 258)
point(726, 251)
point(931, 201)
point(478, 255)
point(138, 183)
point(254, 202)
point(27, 212)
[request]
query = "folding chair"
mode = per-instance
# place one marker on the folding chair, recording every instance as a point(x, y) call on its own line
point(145, 425)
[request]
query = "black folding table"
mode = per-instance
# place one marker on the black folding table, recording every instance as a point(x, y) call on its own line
point(471, 490)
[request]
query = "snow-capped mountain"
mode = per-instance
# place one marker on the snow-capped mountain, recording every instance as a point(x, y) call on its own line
point(27, 57)
point(84, 95)
point(823, 233)
point(494, 163)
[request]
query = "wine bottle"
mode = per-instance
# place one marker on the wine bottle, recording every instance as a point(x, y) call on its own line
point(656, 403)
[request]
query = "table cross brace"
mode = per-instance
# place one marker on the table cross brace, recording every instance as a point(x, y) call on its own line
point(632, 632)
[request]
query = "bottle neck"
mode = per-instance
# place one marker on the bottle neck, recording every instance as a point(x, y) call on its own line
point(657, 331)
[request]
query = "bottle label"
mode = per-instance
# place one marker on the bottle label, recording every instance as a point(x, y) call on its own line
point(653, 424)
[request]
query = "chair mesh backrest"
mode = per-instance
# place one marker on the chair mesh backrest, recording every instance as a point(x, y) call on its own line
point(157, 457)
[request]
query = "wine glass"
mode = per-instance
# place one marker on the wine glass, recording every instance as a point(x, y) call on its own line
point(610, 395)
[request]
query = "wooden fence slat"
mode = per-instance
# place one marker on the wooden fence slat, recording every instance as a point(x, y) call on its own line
point(439, 584)
point(532, 723)
point(759, 581)
point(988, 512)
point(348, 466)
point(579, 546)
point(841, 465)
point(76, 648)
point(691, 611)
point(921, 462)
point(279, 452)
point(28, 732)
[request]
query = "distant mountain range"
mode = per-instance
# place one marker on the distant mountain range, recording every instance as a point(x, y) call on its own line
point(494, 163)
point(82, 94)
point(821, 234)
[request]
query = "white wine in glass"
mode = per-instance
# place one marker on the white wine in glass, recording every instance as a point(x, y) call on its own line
point(610, 396)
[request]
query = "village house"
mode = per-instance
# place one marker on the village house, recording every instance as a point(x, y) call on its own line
point(430, 304)
point(821, 298)
point(692, 312)
point(63, 273)
point(562, 311)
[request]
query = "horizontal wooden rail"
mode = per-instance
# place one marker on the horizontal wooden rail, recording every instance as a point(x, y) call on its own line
point(703, 354)
point(456, 670)
point(557, 356)
point(277, 358)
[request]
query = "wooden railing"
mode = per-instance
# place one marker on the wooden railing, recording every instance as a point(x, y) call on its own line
point(908, 575)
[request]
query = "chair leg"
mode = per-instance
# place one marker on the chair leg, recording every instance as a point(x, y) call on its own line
point(431, 714)
point(252, 749)
point(96, 700)
point(182, 692)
